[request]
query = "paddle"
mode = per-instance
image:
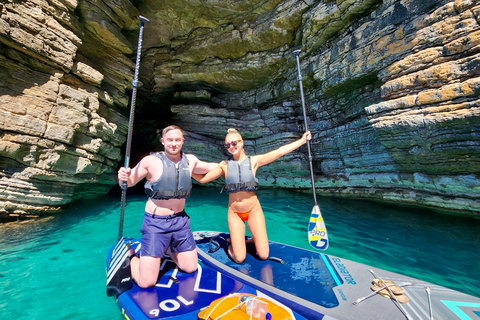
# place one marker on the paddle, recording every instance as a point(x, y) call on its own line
point(317, 232)
point(119, 275)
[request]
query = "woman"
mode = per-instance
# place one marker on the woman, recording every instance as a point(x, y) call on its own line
point(241, 184)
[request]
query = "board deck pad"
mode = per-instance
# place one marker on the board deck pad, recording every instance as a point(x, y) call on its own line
point(292, 277)
point(321, 286)
point(178, 295)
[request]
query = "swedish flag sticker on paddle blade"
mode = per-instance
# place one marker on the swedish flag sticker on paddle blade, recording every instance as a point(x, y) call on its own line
point(317, 232)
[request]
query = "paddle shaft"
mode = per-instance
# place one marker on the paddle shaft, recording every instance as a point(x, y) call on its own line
point(297, 52)
point(429, 303)
point(124, 185)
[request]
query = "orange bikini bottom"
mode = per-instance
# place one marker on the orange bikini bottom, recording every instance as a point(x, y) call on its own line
point(244, 215)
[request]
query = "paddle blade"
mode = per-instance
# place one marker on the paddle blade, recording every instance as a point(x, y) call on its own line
point(317, 232)
point(118, 273)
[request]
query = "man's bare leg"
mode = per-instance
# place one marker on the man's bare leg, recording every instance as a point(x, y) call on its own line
point(144, 270)
point(186, 261)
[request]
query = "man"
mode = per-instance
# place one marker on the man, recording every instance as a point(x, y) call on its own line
point(166, 226)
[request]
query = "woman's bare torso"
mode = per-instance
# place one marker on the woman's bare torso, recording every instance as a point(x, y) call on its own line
point(242, 201)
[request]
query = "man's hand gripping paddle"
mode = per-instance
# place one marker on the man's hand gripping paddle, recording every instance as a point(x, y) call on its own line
point(317, 232)
point(119, 274)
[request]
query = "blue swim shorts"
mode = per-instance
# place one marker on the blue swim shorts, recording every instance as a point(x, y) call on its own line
point(162, 232)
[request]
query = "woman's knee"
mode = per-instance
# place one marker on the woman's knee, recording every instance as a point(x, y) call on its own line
point(262, 250)
point(262, 256)
point(238, 259)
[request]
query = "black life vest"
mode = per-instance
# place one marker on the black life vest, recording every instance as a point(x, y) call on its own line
point(174, 183)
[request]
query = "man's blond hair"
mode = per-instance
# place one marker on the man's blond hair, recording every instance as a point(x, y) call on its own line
point(170, 128)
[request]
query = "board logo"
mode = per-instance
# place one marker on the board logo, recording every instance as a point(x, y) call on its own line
point(343, 271)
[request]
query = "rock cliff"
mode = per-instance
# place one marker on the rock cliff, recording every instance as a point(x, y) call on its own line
point(391, 89)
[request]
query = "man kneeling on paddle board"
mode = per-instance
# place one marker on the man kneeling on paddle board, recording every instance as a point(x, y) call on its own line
point(166, 226)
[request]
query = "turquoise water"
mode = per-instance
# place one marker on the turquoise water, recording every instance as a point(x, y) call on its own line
point(55, 268)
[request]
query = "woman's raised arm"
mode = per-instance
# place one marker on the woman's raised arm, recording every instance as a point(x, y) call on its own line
point(271, 156)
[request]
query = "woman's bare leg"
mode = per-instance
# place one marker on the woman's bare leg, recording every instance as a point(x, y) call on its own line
point(237, 250)
point(257, 227)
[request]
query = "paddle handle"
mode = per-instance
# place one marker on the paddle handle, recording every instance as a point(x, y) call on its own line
point(312, 178)
point(124, 185)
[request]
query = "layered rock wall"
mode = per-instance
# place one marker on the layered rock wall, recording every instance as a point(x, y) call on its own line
point(392, 99)
point(63, 74)
point(391, 90)
point(416, 138)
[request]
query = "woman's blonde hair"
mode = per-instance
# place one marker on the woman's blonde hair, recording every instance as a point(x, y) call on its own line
point(233, 131)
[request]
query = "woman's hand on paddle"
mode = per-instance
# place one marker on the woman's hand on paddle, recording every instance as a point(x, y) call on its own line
point(123, 175)
point(307, 136)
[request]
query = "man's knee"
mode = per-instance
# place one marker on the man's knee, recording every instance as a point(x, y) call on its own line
point(146, 283)
point(189, 267)
point(189, 270)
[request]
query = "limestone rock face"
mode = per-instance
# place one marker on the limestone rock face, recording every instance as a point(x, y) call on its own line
point(391, 89)
point(61, 119)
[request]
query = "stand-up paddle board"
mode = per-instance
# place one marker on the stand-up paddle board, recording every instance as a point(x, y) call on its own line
point(181, 296)
point(321, 286)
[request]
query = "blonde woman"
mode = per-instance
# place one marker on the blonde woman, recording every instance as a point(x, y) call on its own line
point(241, 184)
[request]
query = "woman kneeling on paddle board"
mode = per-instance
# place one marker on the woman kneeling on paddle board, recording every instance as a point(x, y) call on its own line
point(241, 184)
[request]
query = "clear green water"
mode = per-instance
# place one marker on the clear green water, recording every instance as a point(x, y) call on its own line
point(55, 269)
